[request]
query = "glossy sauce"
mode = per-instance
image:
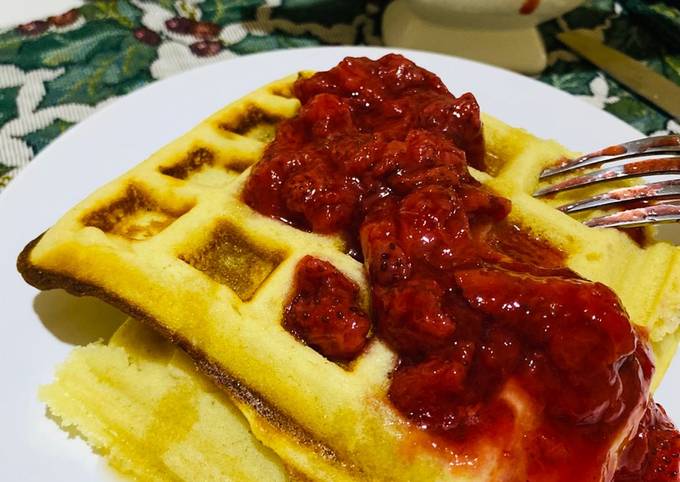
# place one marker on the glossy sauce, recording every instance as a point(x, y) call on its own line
point(325, 312)
point(470, 303)
point(654, 452)
point(653, 166)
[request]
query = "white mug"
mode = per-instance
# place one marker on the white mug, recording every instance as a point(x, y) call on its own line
point(500, 32)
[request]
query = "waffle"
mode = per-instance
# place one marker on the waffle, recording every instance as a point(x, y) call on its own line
point(172, 244)
point(141, 403)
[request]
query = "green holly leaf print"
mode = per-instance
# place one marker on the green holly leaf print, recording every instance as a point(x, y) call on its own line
point(256, 43)
point(671, 67)
point(590, 15)
point(222, 13)
point(576, 82)
point(667, 11)
point(134, 58)
point(80, 46)
point(109, 73)
point(121, 11)
point(168, 5)
point(638, 114)
point(631, 38)
point(325, 12)
point(8, 104)
point(662, 19)
point(4, 169)
point(601, 5)
point(666, 21)
point(72, 47)
point(10, 42)
point(39, 139)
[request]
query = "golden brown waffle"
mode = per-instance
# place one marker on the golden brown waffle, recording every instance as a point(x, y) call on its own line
point(141, 403)
point(172, 244)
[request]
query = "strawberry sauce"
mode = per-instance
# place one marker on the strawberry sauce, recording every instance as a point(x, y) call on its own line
point(325, 312)
point(654, 452)
point(470, 303)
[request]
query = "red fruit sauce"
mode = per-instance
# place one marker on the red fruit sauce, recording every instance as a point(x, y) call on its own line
point(470, 303)
point(325, 312)
point(654, 452)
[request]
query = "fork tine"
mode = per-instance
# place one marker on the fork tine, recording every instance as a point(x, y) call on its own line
point(654, 190)
point(669, 144)
point(660, 213)
point(651, 166)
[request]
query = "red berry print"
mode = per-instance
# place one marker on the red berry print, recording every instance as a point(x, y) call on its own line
point(181, 25)
point(205, 30)
point(147, 36)
point(206, 48)
point(32, 29)
point(64, 19)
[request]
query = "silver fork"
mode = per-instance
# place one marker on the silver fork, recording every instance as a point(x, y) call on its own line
point(651, 156)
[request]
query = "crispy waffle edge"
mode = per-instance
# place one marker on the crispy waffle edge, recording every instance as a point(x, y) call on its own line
point(268, 413)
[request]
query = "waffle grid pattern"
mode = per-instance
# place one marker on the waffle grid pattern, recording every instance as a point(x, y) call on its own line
point(172, 243)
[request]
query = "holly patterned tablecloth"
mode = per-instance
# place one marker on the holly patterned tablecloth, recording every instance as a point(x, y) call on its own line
point(55, 72)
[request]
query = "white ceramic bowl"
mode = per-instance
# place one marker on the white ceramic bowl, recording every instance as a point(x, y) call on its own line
point(496, 14)
point(499, 32)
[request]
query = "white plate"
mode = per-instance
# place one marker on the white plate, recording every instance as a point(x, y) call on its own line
point(40, 329)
